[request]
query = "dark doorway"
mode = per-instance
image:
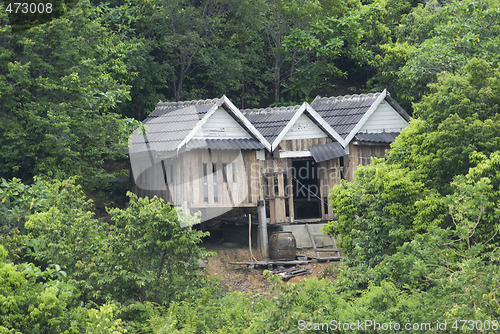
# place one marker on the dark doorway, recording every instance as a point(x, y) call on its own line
point(306, 195)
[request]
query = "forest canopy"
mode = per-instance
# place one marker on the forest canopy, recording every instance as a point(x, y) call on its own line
point(420, 229)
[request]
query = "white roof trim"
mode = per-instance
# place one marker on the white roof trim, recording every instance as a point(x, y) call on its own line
point(288, 126)
point(324, 125)
point(246, 122)
point(198, 126)
point(365, 117)
point(295, 154)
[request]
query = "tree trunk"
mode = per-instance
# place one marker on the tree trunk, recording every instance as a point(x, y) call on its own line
point(182, 73)
point(277, 78)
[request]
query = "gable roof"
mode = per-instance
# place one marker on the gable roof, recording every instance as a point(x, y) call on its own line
point(270, 121)
point(347, 114)
point(223, 144)
point(274, 123)
point(173, 124)
point(384, 137)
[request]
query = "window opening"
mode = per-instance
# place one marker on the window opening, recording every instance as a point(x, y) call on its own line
point(224, 172)
point(216, 188)
point(205, 183)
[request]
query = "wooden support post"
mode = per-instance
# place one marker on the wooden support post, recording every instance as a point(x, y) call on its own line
point(261, 211)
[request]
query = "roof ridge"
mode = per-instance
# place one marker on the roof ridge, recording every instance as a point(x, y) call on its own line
point(182, 104)
point(345, 97)
point(269, 109)
point(224, 139)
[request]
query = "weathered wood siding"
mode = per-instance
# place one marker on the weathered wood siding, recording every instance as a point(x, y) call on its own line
point(302, 144)
point(238, 179)
point(220, 178)
point(362, 154)
point(274, 173)
point(277, 180)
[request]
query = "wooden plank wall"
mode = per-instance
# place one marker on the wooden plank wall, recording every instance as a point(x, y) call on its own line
point(277, 172)
point(225, 184)
point(220, 178)
point(361, 154)
point(302, 144)
point(329, 175)
point(274, 173)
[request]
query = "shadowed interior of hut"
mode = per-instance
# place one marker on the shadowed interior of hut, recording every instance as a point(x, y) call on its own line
point(306, 194)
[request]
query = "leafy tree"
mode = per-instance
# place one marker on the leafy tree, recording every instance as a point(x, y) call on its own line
point(156, 259)
point(232, 313)
point(142, 254)
point(379, 211)
point(60, 82)
point(36, 301)
point(472, 94)
point(423, 183)
point(17, 201)
point(124, 266)
point(190, 50)
point(436, 38)
point(459, 117)
point(340, 45)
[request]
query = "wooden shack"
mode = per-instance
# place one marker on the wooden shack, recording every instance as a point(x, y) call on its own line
point(210, 156)
point(367, 124)
point(199, 154)
point(314, 147)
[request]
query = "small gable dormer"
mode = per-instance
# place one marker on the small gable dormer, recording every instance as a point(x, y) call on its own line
point(221, 125)
point(304, 128)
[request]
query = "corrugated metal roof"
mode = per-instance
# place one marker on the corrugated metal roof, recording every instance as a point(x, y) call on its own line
point(169, 124)
point(327, 152)
point(384, 137)
point(165, 107)
point(344, 112)
point(270, 121)
point(224, 144)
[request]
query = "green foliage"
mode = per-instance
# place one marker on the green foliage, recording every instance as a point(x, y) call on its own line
point(331, 47)
point(36, 301)
point(474, 93)
point(142, 255)
point(17, 201)
point(475, 206)
point(232, 313)
point(458, 118)
point(60, 82)
point(431, 177)
point(149, 255)
point(436, 38)
point(99, 275)
point(376, 212)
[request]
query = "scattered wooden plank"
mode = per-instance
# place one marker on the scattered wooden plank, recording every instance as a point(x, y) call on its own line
point(286, 275)
point(278, 263)
point(328, 258)
point(328, 250)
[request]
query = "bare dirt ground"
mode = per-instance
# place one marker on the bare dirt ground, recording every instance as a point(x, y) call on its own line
point(247, 279)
